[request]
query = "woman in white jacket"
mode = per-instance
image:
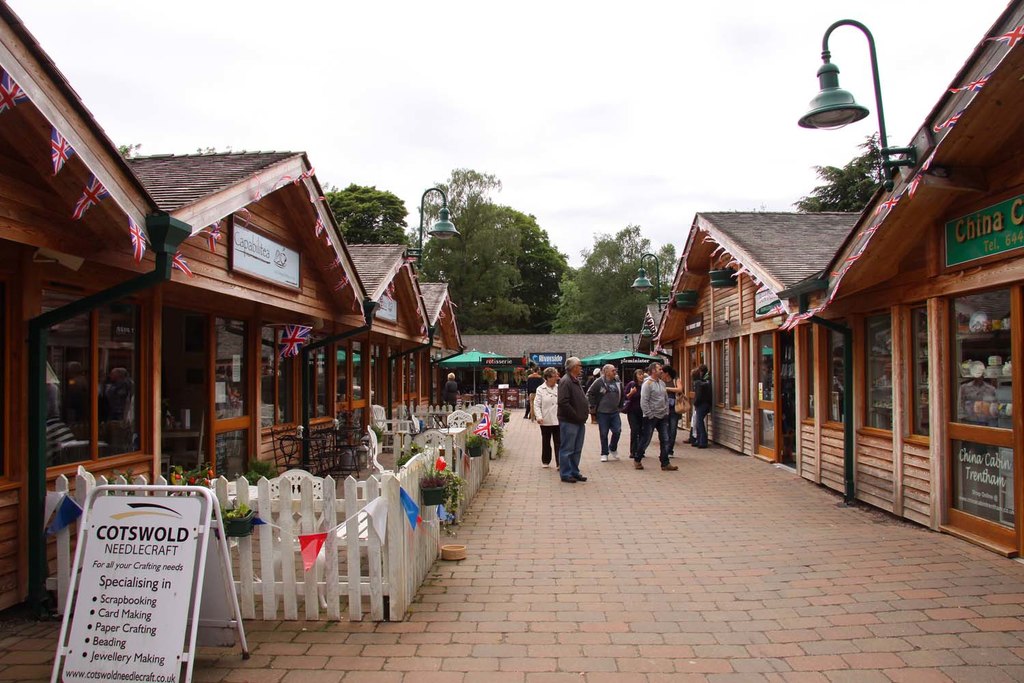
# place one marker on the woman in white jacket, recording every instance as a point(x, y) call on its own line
point(545, 409)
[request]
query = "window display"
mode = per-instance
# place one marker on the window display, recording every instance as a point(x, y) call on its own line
point(766, 376)
point(809, 367)
point(836, 369)
point(879, 350)
point(919, 422)
point(230, 372)
point(983, 370)
point(983, 481)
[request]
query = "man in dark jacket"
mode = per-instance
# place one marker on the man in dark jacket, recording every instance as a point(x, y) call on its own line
point(533, 382)
point(702, 400)
point(573, 411)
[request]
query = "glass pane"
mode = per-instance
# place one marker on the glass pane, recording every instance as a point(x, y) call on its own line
point(341, 373)
point(318, 361)
point(119, 369)
point(268, 354)
point(357, 371)
point(737, 381)
point(285, 389)
point(375, 379)
point(809, 366)
point(230, 389)
point(919, 351)
point(982, 357)
point(232, 454)
point(767, 431)
point(185, 397)
point(725, 368)
point(835, 377)
point(766, 375)
point(68, 392)
point(983, 481)
point(879, 348)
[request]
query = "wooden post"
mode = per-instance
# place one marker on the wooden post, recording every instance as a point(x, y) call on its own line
point(938, 408)
point(902, 357)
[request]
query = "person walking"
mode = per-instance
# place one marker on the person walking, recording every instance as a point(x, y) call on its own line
point(545, 411)
point(654, 404)
point(635, 416)
point(572, 421)
point(533, 381)
point(674, 389)
point(605, 399)
point(702, 400)
point(450, 392)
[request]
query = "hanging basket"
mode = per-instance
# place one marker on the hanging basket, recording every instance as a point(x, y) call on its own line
point(726, 277)
point(432, 496)
point(686, 298)
point(240, 526)
point(476, 450)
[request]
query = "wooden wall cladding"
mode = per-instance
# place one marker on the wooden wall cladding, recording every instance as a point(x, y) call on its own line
point(832, 457)
point(808, 453)
point(873, 467)
point(727, 306)
point(726, 423)
point(11, 591)
point(747, 307)
point(917, 477)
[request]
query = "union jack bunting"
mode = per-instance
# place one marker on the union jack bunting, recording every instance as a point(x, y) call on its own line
point(342, 283)
point(484, 427)
point(292, 339)
point(888, 204)
point(11, 94)
point(499, 414)
point(138, 240)
point(304, 175)
point(950, 122)
point(213, 235)
point(93, 193)
point(333, 265)
point(60, 150)
point(318, 227)
point(390, 291)
point(181, 264)
point(912, 186)
point(1011, 38)
point(973, 86)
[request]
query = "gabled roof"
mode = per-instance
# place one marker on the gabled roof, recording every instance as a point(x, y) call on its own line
point(434, 294)
point(377, 265)
point(784, 247)
point(175, 180)
point(516, 345)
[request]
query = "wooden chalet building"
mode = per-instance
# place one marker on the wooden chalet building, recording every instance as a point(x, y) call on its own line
point(447, 340)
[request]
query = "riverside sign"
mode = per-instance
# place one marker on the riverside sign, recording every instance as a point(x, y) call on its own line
point(141, 561)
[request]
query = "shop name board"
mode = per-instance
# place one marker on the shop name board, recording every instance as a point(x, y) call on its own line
point(996, 229)
point(766, 303)
point(984, 482)
point(695, 325)
point(388, 308)
point(257, 256)
point(547, 359)
point(501, 362)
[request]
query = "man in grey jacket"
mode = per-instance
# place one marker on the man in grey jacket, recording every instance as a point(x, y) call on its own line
point(605, 397)
point(654, 404)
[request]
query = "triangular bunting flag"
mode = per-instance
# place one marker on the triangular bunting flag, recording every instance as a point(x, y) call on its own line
point(67, 512)
point(412, 510)
point(310, 545)
point(377, 510)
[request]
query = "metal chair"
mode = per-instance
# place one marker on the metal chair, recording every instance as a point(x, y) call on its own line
point(287, 451)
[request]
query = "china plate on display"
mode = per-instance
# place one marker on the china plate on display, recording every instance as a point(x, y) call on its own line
point(979, 322)
point(977, 369)
point(993, 371)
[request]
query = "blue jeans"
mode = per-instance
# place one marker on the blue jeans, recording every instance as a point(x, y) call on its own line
point(636, 433)
point(699, 415)
point(606, 421)
point(659, 424)
point(673, 430)
point(569, 451)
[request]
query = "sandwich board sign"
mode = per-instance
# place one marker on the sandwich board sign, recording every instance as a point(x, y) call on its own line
point(144, 588)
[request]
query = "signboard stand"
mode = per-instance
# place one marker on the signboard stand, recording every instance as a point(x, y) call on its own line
point(143, 592)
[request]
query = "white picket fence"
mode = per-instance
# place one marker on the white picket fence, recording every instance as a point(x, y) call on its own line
point(357, 573)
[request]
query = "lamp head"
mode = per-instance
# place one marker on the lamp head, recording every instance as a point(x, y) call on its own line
point(832, 107)
point(443, 228)
point(642, 282)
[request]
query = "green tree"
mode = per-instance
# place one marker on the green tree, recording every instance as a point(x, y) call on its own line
point(367, 215)
point(848, 188)
point(503, 273)
point(598, 297)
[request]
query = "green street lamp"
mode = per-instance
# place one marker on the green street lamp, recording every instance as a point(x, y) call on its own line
point(642, 283)
point(442, 229)
point(834, 107)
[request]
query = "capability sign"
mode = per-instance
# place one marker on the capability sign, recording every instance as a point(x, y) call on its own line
point(133, 599)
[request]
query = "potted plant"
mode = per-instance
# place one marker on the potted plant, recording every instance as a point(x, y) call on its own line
point(441, 486)
point(198, 476)
point(475, 445)
point(723, 277)
point(407, 455)
point(260, 469)
point(686, 298)
point(238, 520)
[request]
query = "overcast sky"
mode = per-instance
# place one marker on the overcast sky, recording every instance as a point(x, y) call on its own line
point(593, 114)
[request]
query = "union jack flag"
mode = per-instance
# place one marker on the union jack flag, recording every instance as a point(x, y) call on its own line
point(912, 186)
point(500, 414)
point(342, 283)
point(334, 265)
point(213, 235)
point(888, 204)
point(60, 150)
point(138, 240)
point(390, 291)
point(950, 122)
point(928, 162)
point(1011, 38)
point(181, 264)
point(973, 86)
point(292, 339)
point(318, 227)
point(92, 195)
point(11, 94)
point(484, 427)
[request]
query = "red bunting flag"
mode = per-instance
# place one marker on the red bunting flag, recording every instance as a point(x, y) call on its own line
point(310, 545)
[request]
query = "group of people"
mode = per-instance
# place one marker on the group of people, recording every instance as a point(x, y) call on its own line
point(653, 401)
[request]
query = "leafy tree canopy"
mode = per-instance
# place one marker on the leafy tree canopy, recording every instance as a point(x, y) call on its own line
point(367, 215)
point(599, 298)
point(503, 273)
point(848, 188)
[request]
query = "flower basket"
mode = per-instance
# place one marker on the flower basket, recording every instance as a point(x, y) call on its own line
point(432, 496)
point(686, 298)
point(724, 277)
point(475, 445)
point(238, 527)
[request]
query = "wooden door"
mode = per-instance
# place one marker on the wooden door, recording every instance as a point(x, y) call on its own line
point(766, 413)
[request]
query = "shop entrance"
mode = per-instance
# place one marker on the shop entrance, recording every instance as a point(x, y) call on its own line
point(775, 414)
point(787, 398)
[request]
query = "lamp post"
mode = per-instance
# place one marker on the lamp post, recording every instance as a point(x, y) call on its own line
point(834, 107)
point(642, 283)
point(442, 229)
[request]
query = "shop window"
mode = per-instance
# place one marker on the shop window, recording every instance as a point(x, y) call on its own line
point(231, 450)
point(835, 376)
point(277, 380)
point(809, 368)
point(982, 356)
point(318, 373)
point(341, 374)
point(357, 371)
point(878, 341)
point(118, 362)
point(734, 367)
point(766, 367)
point(919, 397)
point(230, 372)
point(722, 376)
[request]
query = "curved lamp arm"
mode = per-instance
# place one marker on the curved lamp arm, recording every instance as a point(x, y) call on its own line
point(826, 57)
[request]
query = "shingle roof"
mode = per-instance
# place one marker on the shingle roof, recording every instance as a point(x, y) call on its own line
point(375, 262)
point(517, 345)
point(175, 181)
point(433, 296)
point(789, 246)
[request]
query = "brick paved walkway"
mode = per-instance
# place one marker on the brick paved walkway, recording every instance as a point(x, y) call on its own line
point(727, 570)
